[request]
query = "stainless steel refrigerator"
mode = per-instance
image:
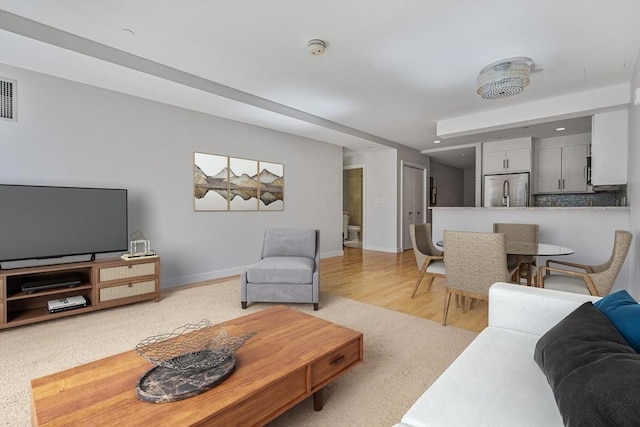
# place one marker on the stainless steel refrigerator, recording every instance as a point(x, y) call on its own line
point(508, 190)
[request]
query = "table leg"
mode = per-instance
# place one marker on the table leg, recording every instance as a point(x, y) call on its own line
point(318, 400)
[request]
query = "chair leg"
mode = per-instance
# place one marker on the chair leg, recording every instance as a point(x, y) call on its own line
point(539, 279)
point(430, 282)
point(529, 274)
point(515, 278)
point(473, 303)
point(415, 289)
point(447, 300)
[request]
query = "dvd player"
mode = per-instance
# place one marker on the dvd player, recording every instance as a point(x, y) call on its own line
point(57, 305)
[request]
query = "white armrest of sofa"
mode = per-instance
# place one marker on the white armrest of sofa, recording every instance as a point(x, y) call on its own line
point(530, 309)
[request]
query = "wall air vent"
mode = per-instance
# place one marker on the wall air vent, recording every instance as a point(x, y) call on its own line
point(8, 99)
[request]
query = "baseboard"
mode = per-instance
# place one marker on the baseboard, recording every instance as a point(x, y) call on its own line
point(331, 254)
point(381, 249)
point(175, 282)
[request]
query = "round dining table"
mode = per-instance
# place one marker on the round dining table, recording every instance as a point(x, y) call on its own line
point(520, 248)
point(515, 247)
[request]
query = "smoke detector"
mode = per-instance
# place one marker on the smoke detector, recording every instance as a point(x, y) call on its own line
point(316, 47)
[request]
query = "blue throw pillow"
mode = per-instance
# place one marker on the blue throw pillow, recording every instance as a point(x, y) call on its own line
point(624, 312)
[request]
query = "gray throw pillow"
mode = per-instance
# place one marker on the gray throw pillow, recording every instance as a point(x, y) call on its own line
point(594, 374)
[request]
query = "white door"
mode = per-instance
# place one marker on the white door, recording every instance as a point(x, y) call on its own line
point(412, 201)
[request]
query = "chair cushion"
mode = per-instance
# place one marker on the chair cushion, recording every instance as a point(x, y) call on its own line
point(436, 267)
point(289, 243)
point(594, 374)
point(562, 282)
point(281, 269)
point(624, 312)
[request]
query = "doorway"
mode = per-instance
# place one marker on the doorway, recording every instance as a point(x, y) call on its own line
point(353, 206)
point(414, 203)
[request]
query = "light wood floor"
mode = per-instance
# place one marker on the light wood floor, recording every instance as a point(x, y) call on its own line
point(387, 280)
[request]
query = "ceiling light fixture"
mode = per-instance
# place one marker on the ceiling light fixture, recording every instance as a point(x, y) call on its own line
point(437, 141)
point(504, 78)
point(560, 129)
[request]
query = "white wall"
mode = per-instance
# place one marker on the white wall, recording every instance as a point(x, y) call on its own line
point(633, 188)
point(469, 190)
point(382, 195)
point(71, 134)
point(450, 184)
point(380, 198)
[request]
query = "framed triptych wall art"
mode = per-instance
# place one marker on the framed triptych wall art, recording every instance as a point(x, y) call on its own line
point(223, 183)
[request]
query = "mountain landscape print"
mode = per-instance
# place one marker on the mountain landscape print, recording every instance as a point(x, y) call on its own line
point(223, 183)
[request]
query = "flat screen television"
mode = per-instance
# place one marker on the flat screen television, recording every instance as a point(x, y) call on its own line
point(39, 222)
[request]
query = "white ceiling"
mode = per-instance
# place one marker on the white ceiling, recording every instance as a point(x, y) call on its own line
point(391, 70)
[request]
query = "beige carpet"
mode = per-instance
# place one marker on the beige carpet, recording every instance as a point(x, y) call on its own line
point(403, 354)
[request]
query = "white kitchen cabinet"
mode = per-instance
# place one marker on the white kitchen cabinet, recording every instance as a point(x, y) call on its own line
point(562, 169)
point(549, 176)
point(574, 164)
point(507, 156)
point(609, 144)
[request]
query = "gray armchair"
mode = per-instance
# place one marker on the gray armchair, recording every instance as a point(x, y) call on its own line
point(288, 270)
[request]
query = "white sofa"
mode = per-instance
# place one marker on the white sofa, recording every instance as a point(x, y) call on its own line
point(495, 381)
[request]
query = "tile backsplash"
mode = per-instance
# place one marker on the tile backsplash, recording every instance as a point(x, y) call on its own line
point(606, 198)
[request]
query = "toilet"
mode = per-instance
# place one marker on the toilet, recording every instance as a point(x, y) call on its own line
point(353, 231)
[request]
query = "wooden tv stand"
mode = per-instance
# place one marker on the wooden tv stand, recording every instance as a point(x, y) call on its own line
point(103, 283)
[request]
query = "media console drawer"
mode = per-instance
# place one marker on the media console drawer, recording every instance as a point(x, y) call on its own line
point(127, 271)
point(128, 290)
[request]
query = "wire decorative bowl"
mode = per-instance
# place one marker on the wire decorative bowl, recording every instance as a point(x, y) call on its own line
point(192, 348)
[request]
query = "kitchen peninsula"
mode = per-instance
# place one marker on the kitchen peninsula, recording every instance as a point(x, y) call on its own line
point(588, 230)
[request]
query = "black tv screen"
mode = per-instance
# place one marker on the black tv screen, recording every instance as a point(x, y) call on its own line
point(39, 222)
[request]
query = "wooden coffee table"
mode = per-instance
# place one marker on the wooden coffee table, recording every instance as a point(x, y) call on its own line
point(292, 357)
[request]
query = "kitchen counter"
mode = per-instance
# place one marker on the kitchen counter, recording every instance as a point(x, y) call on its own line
point(588, 230)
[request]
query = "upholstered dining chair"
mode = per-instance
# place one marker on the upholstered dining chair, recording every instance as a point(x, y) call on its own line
point(428, 258)
point(520, 264)
point(596, 280)
point(474, 261)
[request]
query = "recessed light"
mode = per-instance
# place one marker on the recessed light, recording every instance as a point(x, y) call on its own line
point(560, 129)
point(437, 141)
